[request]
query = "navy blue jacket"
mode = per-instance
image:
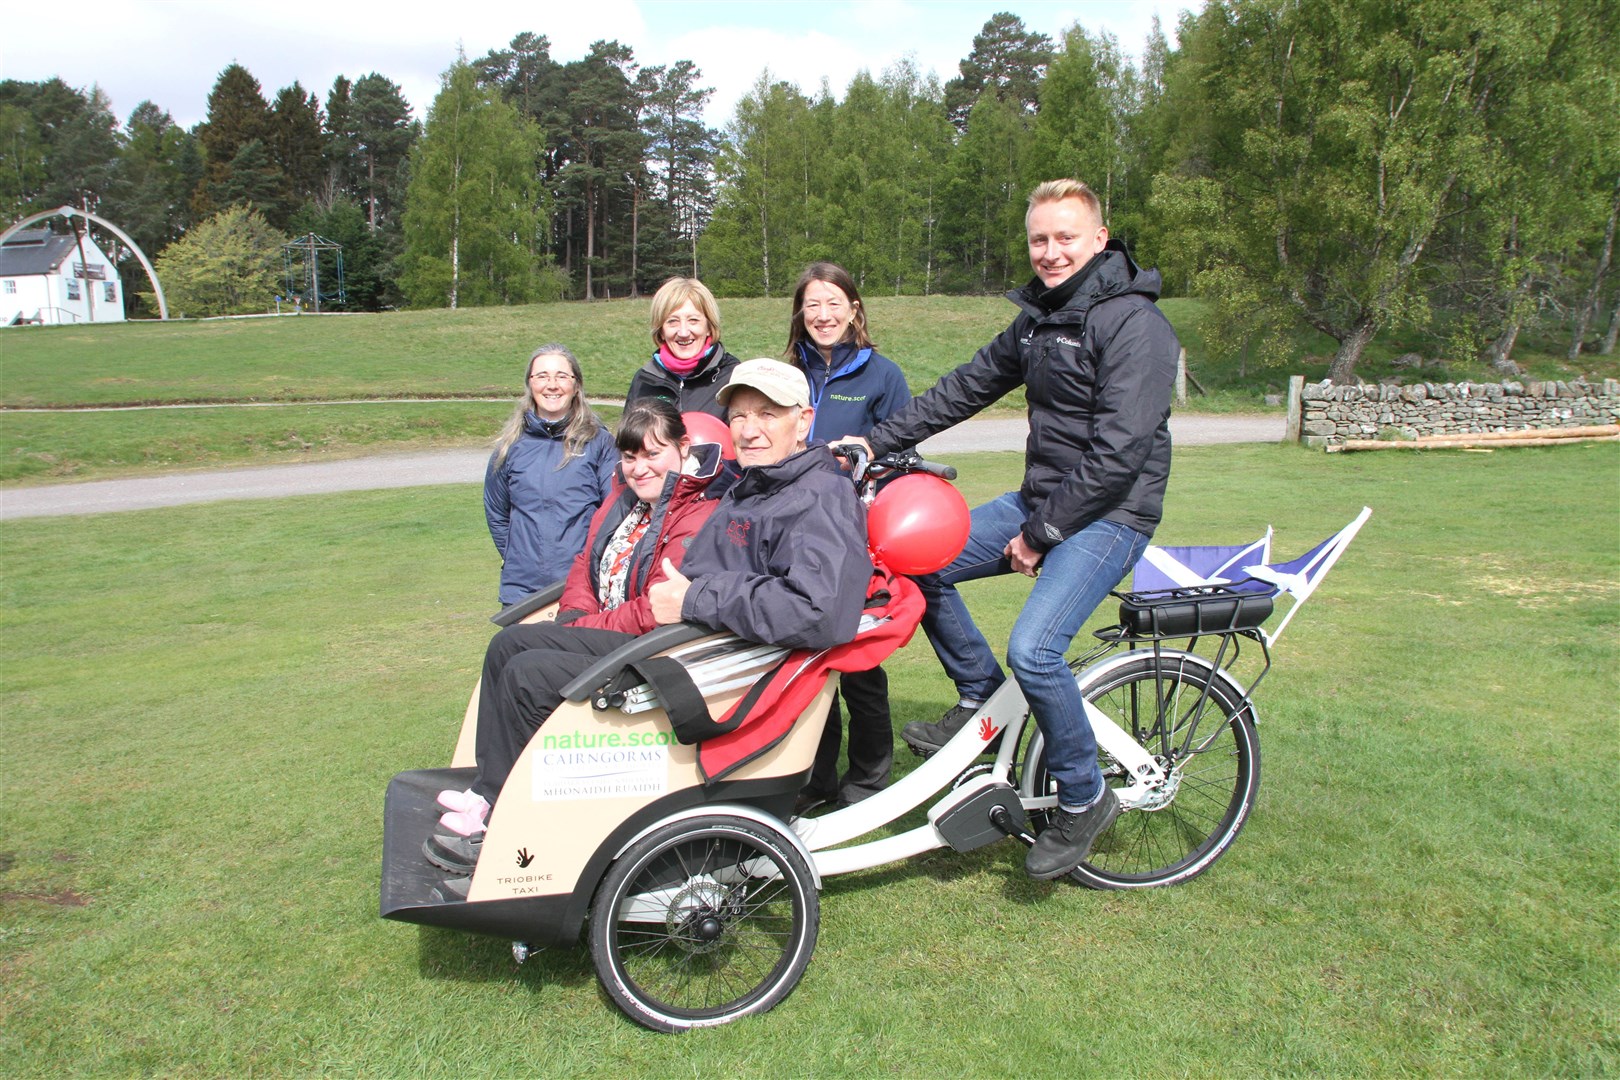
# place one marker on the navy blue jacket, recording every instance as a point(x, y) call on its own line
point(538, 514)
point(1097, 374)
point(860, 389)
point(782, 559)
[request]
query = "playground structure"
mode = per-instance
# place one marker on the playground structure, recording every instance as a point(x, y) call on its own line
point(301, 265)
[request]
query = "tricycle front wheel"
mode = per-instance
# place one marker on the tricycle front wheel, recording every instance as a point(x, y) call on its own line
point(702, 921)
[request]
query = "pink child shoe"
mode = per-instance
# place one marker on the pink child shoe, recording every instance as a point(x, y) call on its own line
point(463, 802)
point(463, 823)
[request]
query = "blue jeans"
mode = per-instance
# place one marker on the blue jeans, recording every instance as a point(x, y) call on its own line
point(1075, 576)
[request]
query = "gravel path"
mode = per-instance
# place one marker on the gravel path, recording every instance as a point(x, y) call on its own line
point(467, 466)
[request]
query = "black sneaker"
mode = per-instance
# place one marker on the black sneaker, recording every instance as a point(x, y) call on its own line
point(809, 801)
point(925, 738)
point(451, 891)
point(452, 853)
point(1066, 841)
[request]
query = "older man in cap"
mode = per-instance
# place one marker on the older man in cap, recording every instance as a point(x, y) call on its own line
point(783, 559)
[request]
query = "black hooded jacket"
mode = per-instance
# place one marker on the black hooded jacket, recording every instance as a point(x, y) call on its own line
point(1098, 374)
point(783, 559)
point(693, 393)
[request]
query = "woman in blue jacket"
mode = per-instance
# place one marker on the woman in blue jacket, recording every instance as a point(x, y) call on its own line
point(852, 388)
point(552, 467)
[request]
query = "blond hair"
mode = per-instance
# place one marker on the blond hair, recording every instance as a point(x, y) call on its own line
point(1058, 190)
point(677, 291)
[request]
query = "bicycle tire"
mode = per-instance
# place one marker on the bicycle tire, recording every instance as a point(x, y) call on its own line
point(703, 921)
point(1215, 780)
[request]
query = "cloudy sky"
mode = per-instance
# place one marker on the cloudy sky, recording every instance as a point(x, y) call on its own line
point(171, 51)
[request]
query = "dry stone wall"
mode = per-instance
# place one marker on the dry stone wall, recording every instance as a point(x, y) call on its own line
point(1420, 409)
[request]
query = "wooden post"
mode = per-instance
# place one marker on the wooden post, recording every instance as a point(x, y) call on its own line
point(1181, 378)
point(1296, 408)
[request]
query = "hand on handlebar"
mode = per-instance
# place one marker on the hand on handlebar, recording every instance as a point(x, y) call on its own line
point(852, 440)
point(860, 453)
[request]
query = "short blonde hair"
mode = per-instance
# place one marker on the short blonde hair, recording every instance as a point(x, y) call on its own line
point(677, 291)
point(1058, 190)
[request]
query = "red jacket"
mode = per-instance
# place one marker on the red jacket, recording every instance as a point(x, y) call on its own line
point(685, 505)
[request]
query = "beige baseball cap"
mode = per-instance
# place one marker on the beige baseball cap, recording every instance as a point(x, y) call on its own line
point(782, 383)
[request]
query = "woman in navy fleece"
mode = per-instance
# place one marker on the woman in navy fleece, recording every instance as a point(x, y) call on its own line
point(552, 467)
point(852, 388)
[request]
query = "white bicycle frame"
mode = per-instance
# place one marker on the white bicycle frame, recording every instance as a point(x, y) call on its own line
point(1005, 712)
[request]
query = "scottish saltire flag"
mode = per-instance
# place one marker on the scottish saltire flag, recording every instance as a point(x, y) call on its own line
point(1182, 567)
point(1247, 568)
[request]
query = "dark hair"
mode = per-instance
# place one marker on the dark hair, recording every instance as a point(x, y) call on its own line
point(839, 278)
point(649, 416)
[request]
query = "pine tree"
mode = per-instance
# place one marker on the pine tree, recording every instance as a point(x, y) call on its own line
point(237, 115)
point(58, 146)
point(605, 163)
point(155, 211)
point(295, 144)
point(341, 144)
point(683, 148)
point(1008, 61)
point(384, 134)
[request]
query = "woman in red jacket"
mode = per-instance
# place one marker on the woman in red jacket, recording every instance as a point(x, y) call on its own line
point(666, 493)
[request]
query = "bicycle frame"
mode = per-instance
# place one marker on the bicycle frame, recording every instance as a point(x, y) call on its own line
point(1006, 713)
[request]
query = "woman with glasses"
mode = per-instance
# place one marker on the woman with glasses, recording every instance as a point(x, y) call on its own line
point(852, 388)
point(552, 467)
point(688, 365)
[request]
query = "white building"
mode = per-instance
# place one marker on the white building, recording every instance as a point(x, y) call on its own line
point(44, 279)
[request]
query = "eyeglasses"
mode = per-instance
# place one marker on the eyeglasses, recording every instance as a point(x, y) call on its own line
point(552, 376)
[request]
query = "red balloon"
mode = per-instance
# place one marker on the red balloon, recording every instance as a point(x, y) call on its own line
point(917, 524)
point(706, 427)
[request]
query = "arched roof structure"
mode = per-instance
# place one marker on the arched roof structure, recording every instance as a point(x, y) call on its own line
point(69, 211)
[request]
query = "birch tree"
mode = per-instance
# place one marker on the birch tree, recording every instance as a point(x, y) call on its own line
point(470, 212)
point(1334, 137)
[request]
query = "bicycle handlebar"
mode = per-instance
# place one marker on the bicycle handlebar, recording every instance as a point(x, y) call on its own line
point(901, 461)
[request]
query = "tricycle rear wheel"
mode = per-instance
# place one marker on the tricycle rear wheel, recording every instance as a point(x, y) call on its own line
point(1201, 729)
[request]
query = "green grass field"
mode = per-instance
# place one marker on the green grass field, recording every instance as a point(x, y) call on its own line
point(203, 706)
point(471, 353)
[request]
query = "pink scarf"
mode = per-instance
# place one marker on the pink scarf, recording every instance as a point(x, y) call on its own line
point(682, 368)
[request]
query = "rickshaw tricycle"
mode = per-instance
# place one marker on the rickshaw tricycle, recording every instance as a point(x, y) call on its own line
point(697, 886)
